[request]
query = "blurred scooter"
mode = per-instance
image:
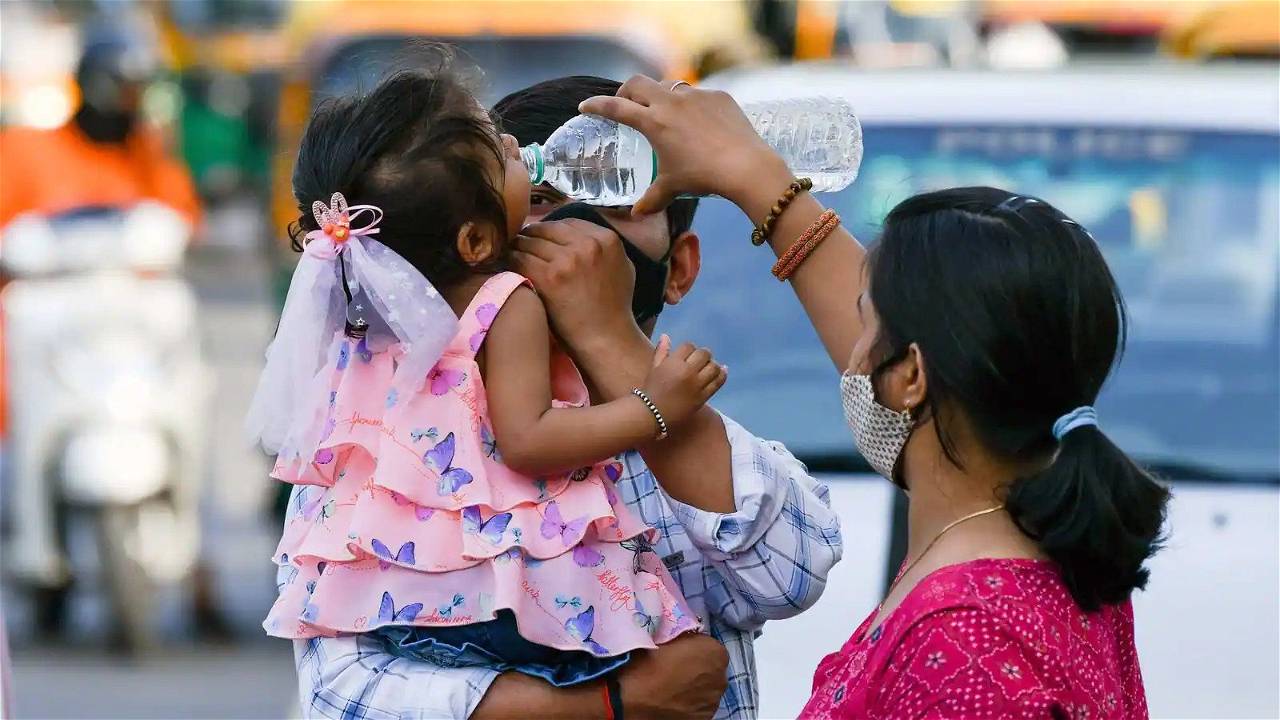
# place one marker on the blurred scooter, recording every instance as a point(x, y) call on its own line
point(107, 403)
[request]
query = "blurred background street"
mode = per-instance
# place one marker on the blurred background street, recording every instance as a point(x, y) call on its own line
point(145, 157)
point(245, 674)
point(252, 680)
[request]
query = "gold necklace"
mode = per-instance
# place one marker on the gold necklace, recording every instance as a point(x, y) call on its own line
point(933, 542)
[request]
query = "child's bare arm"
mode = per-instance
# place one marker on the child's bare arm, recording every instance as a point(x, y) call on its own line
point(535, 438)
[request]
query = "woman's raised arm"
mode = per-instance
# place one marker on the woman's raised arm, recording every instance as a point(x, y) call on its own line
point(706, 146)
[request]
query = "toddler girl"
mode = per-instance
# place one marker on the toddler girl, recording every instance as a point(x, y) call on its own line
point(459, 497)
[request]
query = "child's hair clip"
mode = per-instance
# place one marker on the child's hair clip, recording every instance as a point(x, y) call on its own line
point(334, 220)
point(392, 298)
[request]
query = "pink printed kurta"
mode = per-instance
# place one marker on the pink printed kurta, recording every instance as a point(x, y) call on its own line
point(416, 521)
point(986, 639)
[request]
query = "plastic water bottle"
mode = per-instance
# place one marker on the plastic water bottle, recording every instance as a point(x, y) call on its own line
point(601, 162)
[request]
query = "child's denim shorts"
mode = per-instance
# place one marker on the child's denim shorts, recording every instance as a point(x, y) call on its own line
point(496, 644)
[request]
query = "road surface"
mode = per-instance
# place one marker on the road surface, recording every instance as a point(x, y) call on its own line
point(252, 680)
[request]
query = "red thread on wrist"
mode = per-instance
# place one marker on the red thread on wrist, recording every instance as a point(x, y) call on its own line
point(801, 248)
point(608, 705)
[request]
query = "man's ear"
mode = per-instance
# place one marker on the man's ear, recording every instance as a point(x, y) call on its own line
point(476, 243)
point(686, 263)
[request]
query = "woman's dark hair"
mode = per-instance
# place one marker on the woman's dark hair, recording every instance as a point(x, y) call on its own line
point(419, 147)
point(1020, 321)
point(532, 114)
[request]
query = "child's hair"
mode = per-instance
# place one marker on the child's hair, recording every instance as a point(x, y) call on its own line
point(419, 147)
point(1020, 321)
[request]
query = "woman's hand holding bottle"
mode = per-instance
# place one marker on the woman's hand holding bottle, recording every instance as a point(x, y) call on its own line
point(682, 380)
point(705, 144)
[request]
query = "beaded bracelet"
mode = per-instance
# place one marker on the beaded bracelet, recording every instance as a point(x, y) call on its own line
point(662, 422)
point(801, 248)
point(762, 231)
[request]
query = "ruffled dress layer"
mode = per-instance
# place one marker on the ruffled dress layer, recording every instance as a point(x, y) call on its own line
point(411, 519)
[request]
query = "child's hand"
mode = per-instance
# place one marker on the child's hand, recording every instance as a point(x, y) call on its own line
point(682, 380)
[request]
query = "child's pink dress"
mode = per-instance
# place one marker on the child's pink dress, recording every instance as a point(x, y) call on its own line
point(417, 521)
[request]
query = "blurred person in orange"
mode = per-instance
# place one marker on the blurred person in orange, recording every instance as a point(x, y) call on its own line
point(104, 156)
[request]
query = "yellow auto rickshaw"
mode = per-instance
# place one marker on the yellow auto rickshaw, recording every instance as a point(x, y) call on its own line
point(1095, 25)
point(1248, 29)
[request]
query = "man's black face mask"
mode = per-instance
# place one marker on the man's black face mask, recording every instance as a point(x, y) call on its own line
point(651, 275)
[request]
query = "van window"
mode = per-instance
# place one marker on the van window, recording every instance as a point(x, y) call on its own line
point(1188, 222)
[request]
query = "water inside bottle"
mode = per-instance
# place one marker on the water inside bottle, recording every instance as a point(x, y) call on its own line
point(601, 162)
point(593, 160)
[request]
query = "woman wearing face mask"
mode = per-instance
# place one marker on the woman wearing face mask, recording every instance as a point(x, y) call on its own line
point(974, 338)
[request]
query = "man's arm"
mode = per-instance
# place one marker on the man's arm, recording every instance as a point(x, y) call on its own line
point(774, 538)
point(692, 465)
point(582, 274)
point(749, 505)
point(775, 552)
point(353, 678)
point(515, 696)
point(681, 680)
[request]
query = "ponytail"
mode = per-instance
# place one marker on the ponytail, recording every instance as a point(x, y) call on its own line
point(1096, 514)
point(1020, 323)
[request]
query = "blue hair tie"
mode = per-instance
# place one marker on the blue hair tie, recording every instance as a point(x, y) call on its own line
point(1081, 416)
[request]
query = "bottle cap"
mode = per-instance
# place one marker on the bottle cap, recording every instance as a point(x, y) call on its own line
point(533, 162)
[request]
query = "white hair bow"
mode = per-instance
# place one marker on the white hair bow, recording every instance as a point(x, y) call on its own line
point(292, 391)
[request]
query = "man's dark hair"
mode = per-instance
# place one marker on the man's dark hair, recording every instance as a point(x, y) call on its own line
point(532, 114)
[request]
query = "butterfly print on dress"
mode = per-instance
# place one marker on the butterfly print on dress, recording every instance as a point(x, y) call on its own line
point(440, 459)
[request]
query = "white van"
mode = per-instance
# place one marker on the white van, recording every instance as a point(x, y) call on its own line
point(1177, 173)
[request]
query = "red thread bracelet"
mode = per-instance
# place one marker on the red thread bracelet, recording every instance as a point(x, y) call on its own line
point(802, 247)
point(798, 259)
point(608, 701)
point(805, 238)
